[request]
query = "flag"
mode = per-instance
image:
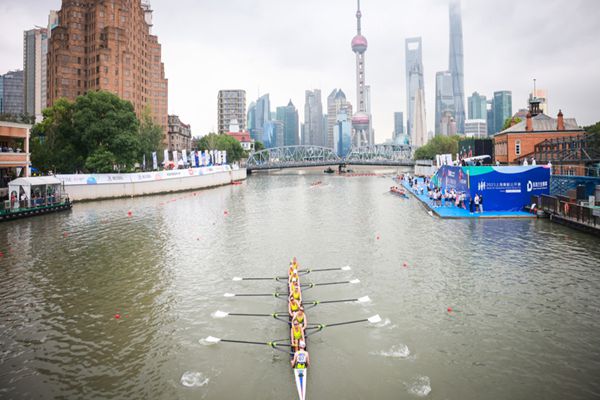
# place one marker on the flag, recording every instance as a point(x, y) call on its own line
point(175, 157)
point(166, 158)
point(154, 161)
point(196, 159)
point(144, 163)
point(184, 156)
point(225, 157)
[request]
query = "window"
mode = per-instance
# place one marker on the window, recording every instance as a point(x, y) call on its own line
point(517, 147)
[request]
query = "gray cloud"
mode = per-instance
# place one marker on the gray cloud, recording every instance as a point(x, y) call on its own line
point(284, 47)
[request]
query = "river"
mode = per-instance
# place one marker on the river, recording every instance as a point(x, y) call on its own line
point(97, 303)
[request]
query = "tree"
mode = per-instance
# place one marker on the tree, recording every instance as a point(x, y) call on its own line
point(151, 134)
point(438, 145)
point(594, 132)
point(95, 133)
point(508, 120)
point(212, 141)
point(258, 146)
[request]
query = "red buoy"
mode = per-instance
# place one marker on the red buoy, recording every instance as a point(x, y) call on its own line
point(377, 237)
point(449, 309)
point(117, 316)
point(405, 264)
point(225, 212)
point(129, 213)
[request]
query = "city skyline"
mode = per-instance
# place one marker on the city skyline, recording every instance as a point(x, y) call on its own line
point(283, 69)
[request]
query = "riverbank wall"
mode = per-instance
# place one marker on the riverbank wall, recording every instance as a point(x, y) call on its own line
point(84, 187)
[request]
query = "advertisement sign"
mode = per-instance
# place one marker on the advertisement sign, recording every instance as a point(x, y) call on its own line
point(502, 188)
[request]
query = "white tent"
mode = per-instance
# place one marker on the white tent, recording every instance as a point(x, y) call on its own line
point(45, 190)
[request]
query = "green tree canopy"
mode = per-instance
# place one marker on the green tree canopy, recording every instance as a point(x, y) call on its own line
point(95, 133)
point(594, 131)
point(507, 122)
point(438, 145)
point(258, 146)
point(212, 141)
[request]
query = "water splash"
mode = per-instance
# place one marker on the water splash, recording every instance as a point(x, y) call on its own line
point(397, 351)
point(209, 341)
point(193, 379)
point(384, 322)
point(420, 387)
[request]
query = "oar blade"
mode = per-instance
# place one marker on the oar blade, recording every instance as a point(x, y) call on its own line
point(354, 281)
point(219, 314)
point(346, 268)
point(374, 319)
point(364, 299)
point(210, 340)
point(237, 278)
point(229, 295)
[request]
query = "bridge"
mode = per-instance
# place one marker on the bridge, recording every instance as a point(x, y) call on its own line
point(304, 156)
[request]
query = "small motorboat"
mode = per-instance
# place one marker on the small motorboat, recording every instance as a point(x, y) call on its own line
point(398, 192)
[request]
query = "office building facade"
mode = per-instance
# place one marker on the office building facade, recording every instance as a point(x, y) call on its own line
point(477, 108)
point(180, 135)
point(12, 93)
point(444, 99)
point(456, 63)
point(35, 51)
point(476, 128)
point(414, 80)
point(398, 123)
point(289, 116)
point(313, 119)
point(502, 109)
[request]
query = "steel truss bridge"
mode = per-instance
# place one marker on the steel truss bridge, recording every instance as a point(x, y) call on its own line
point(316, 156)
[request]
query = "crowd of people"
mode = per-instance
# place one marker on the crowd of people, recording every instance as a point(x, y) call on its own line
point(444, 197)
point(298, 322)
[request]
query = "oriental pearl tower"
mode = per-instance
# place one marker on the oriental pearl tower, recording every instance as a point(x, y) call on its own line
point(361, 121)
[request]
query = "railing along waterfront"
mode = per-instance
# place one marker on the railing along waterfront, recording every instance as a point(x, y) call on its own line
point(563, 207)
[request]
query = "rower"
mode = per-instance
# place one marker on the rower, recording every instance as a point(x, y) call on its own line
point(300, 317)
point(301, 359)
point(293, 269)
point(296, 334)
point(293, 307)
point(295, 292)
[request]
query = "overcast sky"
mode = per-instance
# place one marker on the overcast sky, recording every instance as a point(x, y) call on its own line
point(283, 47)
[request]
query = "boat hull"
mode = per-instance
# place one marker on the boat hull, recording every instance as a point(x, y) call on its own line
point(300, 377)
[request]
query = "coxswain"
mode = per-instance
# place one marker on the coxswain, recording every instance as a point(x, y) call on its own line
point(301, 359)
point(300, 317)
point(296, 334)
point(293, 307)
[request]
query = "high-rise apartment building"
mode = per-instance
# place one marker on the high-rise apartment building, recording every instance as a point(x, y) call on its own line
point(289, 116)
point(35, 51)
point(12, 93)
point(414, 80)
point(313, 118)
point(477, 106)
point(336, 101)
point(444, 99)
point(398, 123)
point(456, 66)
point(476, 128)
point(231, 104)
point(502, 108)
point(108, 45)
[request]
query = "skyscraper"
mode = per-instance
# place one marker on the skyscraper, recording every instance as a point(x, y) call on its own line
point(313, 119)
point(477, 106)
point(342, 132)
point(420, 136)
point(35, 51)
point(262, 115)
point(502, 106)
point(289, 116)
point(398, 123)
point(444, 100)
point(361, 121)
point(231, 104)
point(251, 118)
point(456, 64)
point(12, 93)
point(108, 46)
point(414, 80)
point(336, 101)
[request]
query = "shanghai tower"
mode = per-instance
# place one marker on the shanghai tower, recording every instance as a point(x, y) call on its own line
point(456, 64)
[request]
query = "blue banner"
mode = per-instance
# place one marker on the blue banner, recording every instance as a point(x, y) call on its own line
point(502, 188)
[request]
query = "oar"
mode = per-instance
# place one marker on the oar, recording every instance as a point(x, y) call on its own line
point(373, 320)
point(311, 285)
point(276, 278)
point(276, 294)
point(363, 299)
point(223, 314)
point(273, 344)
point(309, 270)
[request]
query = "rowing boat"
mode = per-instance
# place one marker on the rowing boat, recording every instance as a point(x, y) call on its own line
point(300, 374)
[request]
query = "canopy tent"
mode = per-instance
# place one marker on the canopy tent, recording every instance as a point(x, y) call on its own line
point(41, 189)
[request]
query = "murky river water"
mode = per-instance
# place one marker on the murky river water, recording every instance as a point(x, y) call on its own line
point(524, 295)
